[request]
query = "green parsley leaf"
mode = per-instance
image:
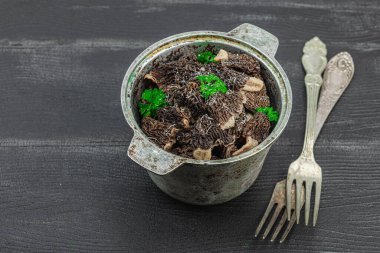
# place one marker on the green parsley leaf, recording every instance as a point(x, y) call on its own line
point(206, 57)
point(153, 100)
point(211, 84)
point(271, 113)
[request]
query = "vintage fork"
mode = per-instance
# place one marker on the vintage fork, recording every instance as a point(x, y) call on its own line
point(336, 78)
point(305, 169)
point(278, 199)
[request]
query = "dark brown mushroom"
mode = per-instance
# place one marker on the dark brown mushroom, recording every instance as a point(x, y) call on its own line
point(255, 130)
point(257, 127)
point(164, 134)
point(204, 135)
point(160, 77)
point(227, 151)
point(225, 108)
point(234, 79)
point(240, 123)
point(187, 96)
point(240, 62)
point(175, 115)
point(254, 100)
point(183, 150)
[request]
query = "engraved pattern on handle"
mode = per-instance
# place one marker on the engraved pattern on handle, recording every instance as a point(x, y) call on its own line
point(336, 78)
point(314, 62)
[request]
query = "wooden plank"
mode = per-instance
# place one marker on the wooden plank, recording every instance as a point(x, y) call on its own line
point(66, 183)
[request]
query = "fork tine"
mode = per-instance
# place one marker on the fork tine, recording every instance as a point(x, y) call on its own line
point(269, 208)
point(272, 221)
point(289, 183)
point(318, 186)
point(298, 199)
point(309, 186)
point(279, 226)
point(289, 227)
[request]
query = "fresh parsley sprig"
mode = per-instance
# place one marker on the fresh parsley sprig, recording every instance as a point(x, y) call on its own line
point(211, 84)
point(271, 113)
point(153, 100)
point(206, 57)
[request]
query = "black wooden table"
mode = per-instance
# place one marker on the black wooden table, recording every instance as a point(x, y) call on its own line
point(66, 183)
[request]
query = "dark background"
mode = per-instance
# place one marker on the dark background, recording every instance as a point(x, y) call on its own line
point(66, 183)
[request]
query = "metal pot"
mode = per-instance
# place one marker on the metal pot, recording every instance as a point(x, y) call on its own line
point(215, 181)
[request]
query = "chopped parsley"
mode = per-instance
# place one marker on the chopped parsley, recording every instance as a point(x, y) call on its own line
point(206, 57)
point(211, 84)
point(153, 100)
point(271, 113)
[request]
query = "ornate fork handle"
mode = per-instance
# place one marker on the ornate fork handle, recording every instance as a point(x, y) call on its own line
point(313, 84)
point(314, 61)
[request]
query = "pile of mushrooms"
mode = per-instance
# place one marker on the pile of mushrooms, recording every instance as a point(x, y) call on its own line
point(224, 125)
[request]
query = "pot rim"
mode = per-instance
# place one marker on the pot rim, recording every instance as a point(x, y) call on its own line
point(265, 59)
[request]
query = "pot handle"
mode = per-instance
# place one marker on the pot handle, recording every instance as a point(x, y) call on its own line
point(256, 36)
point(151, 157)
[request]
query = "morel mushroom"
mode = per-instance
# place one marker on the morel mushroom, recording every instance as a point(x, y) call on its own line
point(203, 136)
point(164, 134)
point(254, 100)
point(240, 123)
point(239, 62)
point(159, 76)
point(187, 96)
point(225, 108)
point(174, 115)
point(256, 129)
point(184, 151)
point(236, 80)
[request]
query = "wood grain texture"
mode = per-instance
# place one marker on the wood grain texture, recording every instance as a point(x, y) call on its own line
point(66, 183)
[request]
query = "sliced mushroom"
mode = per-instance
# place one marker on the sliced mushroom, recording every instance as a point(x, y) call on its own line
point(175, 115)
point(225, 108)
point(164, 134)
point(253, 84)
point(221, 56)
point(202, 154)
point(254, 100)
point(250, 143)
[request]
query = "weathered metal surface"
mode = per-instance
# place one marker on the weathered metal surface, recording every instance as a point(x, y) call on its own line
point(215, 181)
point(254, 35)
point(337, 76)
point(305, 169)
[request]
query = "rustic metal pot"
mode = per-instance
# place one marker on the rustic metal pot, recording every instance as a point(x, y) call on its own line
point(215, 181)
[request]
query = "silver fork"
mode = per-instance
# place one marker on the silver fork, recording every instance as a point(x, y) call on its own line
point(278, 199)
point(305, 169)
point(336, 78)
